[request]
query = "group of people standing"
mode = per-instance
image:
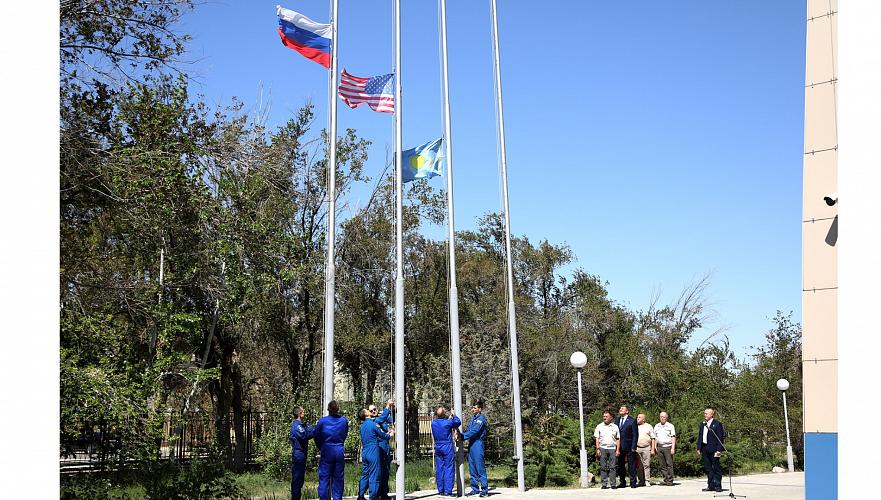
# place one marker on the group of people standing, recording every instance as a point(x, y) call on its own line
point(330, 435)
point(625, 447)
point(444, 430)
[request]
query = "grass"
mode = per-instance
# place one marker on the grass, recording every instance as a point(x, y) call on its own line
point(420, 476)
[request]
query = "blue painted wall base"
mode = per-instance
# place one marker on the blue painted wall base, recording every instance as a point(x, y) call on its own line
point(821, 465)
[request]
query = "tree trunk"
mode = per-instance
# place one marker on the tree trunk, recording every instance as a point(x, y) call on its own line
point(412, 428)
point(370, 387)
point(238, 416)
point(224, 404)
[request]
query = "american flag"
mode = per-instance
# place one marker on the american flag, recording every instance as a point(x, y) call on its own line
point(377, 92)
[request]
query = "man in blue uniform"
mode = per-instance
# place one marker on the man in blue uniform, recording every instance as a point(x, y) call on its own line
point(385, 419)
point(371, 436)
point(301, 433)
point(330, 435)
point(442, 429)
point(366, 469)
point(476, 435)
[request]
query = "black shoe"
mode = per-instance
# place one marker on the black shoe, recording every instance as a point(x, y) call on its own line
point(709, 489)
point(718, 490)
point(605, 487)
point(483, 494)
point(614, 487)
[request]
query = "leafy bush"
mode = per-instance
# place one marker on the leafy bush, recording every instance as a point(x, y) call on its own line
point(200, 479)
point(274, 455)
point(90, 488)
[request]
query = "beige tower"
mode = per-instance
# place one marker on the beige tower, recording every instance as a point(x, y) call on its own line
point(819, 251)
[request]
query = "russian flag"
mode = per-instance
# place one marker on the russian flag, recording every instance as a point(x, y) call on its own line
point(304, 35)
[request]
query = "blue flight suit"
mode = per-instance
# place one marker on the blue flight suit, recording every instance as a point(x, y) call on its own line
point(476, 434)
point(371, 437)
point(300, 435)
point(384, 419)
point(444, 453)
point(330, 435)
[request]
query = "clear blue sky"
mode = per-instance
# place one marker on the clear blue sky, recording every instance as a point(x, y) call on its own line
point(660, 140)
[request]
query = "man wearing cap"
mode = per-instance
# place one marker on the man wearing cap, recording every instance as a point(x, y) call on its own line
point(665, 447)
point(476, 434)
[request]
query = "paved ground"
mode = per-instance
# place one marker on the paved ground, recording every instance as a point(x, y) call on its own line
point(784, 486)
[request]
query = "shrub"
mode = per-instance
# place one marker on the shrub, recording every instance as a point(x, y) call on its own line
point(200, 479)
point(551, 452)
point(89, 487)
point(274, 455)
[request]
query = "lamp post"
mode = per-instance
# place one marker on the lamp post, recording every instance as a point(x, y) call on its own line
point(578, 360)
point(783, 385)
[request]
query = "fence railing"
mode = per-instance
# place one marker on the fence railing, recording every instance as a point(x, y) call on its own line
point(185, 437)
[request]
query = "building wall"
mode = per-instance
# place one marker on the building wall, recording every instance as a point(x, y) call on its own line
point(819, 252)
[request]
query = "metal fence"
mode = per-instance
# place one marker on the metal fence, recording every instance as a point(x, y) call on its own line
point(184, 437)
point(189, 436)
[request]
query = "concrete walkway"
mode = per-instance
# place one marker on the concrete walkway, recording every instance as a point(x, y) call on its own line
point(784, 486)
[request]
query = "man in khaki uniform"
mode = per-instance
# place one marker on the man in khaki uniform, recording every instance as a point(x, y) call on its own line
point(665, 446)
point(607, 438)
point(645, 448)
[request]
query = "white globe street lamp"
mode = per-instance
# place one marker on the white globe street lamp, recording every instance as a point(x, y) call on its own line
point(783, 386)
point(578, 360)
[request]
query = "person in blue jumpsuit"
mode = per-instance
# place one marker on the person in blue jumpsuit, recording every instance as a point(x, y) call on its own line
point(384, 420)
point(301, 433)
point(330, 435)
point(442, 429)
point(476, 435)
point(366, 468)
point(371, 436)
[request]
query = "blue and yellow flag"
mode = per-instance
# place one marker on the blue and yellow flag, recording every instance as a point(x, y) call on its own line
point(422, 162)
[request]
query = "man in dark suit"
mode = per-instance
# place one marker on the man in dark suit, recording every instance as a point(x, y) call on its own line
point(710, 439)
point(629, 435)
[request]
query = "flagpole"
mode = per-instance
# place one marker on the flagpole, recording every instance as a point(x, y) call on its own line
point(454, 295)
point(399, 278)
point(512, 317)
point(329, 277)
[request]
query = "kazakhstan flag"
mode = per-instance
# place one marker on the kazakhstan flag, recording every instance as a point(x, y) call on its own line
point(422, 162)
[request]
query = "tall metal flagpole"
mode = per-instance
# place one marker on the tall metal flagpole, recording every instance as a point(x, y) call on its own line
point(454, 296)
point(329, 278)
point(512, 318)
point(399, 279)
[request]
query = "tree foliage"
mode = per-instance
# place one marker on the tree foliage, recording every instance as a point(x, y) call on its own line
point(192, 278)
